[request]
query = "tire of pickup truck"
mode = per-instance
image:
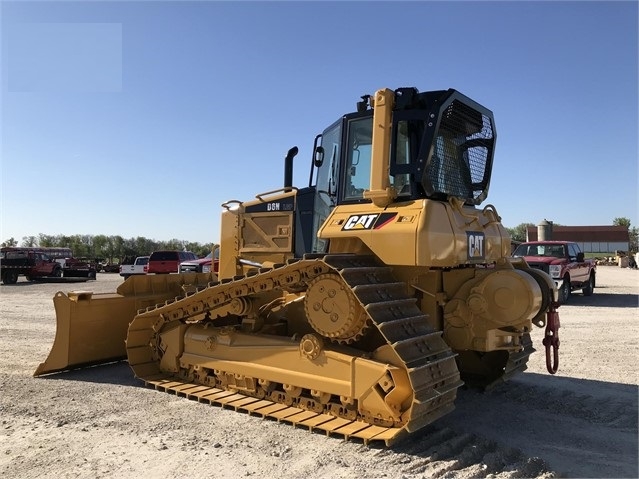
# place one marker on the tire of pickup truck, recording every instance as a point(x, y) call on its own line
point(10, 277)
point(590, 285)
point(57, 273)
point(564, 292)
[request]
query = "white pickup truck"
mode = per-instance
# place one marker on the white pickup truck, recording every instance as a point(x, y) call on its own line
point(138, 266)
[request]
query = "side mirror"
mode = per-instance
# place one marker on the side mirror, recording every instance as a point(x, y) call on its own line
point(319, 156)
point(580, 257)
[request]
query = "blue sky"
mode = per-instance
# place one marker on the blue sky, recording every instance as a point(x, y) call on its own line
point(141, 118)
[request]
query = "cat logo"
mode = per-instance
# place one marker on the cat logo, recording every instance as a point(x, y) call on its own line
point(476, 245)
point(369, 222)
point(360, 222)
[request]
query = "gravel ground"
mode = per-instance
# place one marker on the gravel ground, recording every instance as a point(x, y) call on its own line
point(101, 421)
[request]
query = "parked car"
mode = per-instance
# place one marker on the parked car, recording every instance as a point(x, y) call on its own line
point(162, 262)
point(138, 266)
point(564, 262)
point(203, 265)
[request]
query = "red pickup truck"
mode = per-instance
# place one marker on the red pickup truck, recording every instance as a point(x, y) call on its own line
point(564, 262)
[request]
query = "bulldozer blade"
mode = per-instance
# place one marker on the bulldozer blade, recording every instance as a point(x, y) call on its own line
point(92, 328)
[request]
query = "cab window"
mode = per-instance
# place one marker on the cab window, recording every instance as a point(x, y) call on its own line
point(572, 250)
point(401, 181)
point(357, 170)
point(327, 180)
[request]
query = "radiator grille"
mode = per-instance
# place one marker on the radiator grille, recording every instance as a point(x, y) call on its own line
point(541, 266)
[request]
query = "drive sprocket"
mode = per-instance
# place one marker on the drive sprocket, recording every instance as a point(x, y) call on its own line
point(333, 310)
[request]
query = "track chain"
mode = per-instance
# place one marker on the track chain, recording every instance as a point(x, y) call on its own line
point(429, 362)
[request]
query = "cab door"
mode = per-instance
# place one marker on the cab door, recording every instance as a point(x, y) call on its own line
point(578, 270)
point(41, 264)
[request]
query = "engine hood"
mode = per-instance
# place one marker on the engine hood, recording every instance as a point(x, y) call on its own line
point(198, 261)
point(543, 260)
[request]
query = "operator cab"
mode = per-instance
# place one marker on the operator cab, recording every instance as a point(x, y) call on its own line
point(442, 145)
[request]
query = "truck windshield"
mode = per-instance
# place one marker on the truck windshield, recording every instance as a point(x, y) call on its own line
point(525, 250)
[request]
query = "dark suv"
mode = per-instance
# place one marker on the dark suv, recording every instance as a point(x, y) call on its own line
point(168, 261)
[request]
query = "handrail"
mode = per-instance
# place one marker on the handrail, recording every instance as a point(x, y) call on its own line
point(227, 205)
point(284, 189)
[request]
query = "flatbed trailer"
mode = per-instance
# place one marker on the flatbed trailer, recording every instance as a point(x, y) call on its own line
point(35, 265)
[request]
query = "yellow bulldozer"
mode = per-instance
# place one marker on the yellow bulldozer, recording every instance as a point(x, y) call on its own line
point(356, 305)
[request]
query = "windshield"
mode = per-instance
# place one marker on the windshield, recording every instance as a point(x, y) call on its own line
point(549, 251)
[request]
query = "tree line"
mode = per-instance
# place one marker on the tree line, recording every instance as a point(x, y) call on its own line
point(115, 248)
point(108, 248)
